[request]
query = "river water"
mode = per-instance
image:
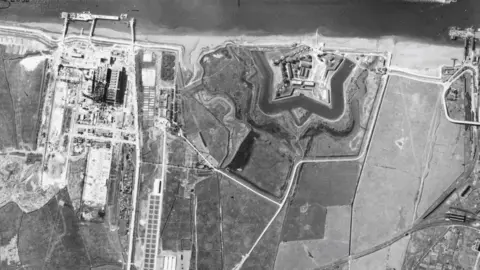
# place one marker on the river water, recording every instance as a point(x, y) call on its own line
point(359, 18)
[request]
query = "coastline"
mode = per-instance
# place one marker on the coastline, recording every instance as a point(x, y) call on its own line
point(419, 56)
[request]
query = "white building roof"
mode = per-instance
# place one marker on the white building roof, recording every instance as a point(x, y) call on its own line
point(148, 77)
point(170, 262)
point(98, 172)
point(147, 57)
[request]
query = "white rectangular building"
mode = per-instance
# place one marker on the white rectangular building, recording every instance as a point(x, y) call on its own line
point(148, 77)
point(170, 262)
point(98, 172)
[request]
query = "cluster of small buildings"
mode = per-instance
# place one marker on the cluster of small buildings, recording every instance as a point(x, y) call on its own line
point(102, 116)
point(157, 102)
point(441, 256)
point(128, 136)
point(95, 132)
point(165, 104)
point(468, 35)
point(453, 251)
point(296, 71)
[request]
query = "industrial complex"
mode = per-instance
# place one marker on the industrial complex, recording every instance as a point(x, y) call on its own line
point(93, 111)
point(256, 156)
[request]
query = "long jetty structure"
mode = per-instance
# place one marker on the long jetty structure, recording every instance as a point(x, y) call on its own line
point(89, 17)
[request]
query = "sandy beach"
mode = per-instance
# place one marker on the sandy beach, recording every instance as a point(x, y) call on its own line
point(416, 56)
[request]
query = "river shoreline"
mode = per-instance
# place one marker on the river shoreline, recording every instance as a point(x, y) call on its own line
point(414, 55)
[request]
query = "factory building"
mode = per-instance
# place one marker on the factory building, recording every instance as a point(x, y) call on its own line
point(296, 83)
point(309, 84)
point(289, 71)
point(116, 87)
point(94, 196)
point(170, 262)
point(148, 77)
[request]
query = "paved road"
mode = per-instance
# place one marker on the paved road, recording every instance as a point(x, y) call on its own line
point(248, 187)
point(393, 71)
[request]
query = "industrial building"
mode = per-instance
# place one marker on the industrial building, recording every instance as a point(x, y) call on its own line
point(114, 85)
point(94, 196)
point(169, 262)
point(148, 77)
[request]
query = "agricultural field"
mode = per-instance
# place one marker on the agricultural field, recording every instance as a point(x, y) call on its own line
point(176, 230)
point(101, 244)
point(320, 186)
point(208, 223)
point(264, 254)
point(244, 216)
point(446, 161)
point(396, 162)
point(264, 161)
point(307, 254)
point(176, 234)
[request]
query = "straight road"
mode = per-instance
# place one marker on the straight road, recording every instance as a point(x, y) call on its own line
point(261, 194)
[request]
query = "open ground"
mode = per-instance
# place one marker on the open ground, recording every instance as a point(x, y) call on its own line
point(396, 164)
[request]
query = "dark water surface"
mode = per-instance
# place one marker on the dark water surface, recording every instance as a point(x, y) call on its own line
point(359, 18)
